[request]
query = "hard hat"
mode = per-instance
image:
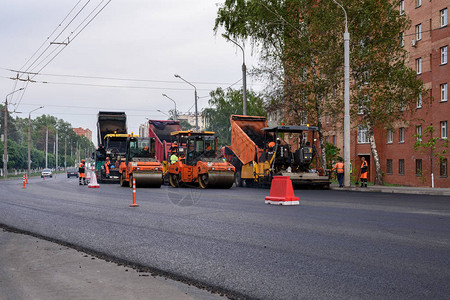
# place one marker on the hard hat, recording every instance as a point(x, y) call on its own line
point(145, 148)
point(175, 143)
point(107, 158)
point(83, 160)
point(271, 144)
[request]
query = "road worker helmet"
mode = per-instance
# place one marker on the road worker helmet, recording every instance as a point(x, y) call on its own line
point(271, 144)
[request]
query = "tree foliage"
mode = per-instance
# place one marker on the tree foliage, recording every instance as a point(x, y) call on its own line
point(223, 104)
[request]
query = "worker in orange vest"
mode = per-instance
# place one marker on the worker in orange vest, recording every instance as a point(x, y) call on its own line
point(364, 168)
point(339, 167)
point(107, 166)
point(82, 171)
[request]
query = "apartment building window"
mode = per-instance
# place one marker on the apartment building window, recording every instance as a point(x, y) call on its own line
point(443, 55)
point(419, 66)
point(419, 132)
point(443, 167)
point(402, 7)
point(418, 3)
point(334, 140)
point(389, 166)
point(419, 32)
point(444, 17)
point(390, 136)
point(444, 133)
point(363, 135)
point(401, 135)
point(444, 92)
point(327, 118)
point(402, 39)
point(418, 167)
point(419, 101)
point(401, 167)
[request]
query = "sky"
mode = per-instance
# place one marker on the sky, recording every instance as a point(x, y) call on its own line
point(143, 43)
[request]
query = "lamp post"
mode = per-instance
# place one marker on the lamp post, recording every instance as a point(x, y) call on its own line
point(195, 95)
point(175, 114)
point(244, 75)
point(5, 136)
point(163, 112)
point(29, 140)
point(346, 100)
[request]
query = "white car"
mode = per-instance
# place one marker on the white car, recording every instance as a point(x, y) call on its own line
point(46, 173)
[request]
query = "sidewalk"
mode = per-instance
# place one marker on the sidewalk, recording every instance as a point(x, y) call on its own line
point(395, 190)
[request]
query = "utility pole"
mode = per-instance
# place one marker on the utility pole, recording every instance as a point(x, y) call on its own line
point(56, 150)
point(46, 148)
point(29, 140)
point(65, 154)
point(5, 136)
point(346, 100)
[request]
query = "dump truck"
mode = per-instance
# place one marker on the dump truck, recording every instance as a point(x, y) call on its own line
point(111, 140)
point(161, 131)
point(140, 163)
point(262, 152)
point(199, 163)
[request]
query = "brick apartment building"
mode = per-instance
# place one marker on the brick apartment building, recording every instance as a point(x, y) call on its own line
point(427, 42)
point(84, 132)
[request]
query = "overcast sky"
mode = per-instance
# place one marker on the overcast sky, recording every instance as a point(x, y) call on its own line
point(129, 39)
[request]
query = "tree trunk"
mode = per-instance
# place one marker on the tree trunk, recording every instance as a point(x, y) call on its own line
point(321, 137)
point(376, 158)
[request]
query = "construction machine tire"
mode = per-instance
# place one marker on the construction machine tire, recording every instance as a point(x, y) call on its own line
point(174, 180)
point(216, 180)
point(153, 180)
point(123, 182)
point(130, 181)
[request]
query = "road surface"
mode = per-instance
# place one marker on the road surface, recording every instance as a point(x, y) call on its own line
point(335, 244)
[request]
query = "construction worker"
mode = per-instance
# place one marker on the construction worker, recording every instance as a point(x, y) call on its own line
point(364, 168)
point(82, 171)
point(174, 147)
point(107, 166)
point(339, 167)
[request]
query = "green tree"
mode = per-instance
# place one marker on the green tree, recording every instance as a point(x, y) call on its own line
point(223, 104)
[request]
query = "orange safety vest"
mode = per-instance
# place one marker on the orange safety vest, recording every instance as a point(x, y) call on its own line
point(364, 170)
point(107, 163)
point(81, 170)
point(339, 167)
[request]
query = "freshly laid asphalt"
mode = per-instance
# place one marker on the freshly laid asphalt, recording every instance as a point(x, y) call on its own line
point(333, 245)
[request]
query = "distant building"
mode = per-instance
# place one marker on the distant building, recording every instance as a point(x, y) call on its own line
point(84, 132)
point(190, 118)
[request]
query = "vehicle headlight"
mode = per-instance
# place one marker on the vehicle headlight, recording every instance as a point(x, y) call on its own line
point(156, 169)
point(134, 164)
point(213, 168)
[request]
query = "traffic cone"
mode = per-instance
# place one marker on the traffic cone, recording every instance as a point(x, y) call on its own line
point(23, 181)
point(26, 178)
point(282, 192)
point(134, 194)
point(93, 181)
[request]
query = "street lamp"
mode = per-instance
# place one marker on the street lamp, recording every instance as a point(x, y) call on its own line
point(29, 140)
point(195, 95)
point(163, 112)
point(346, 100)
point(5, 136)
point(175, 114)
point(244, 74)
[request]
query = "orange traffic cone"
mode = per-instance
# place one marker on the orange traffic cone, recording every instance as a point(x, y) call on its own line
point(282, 192)
point(134, 194)
point(26, 178)
point(23, 181)
point(93, 181)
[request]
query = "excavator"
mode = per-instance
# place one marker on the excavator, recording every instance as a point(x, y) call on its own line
point(140, 163)
point(199, 162)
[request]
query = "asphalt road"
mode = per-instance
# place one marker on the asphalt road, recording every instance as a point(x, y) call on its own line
point(335, 244)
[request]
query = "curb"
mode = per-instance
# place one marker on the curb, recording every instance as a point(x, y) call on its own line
point(393, 190)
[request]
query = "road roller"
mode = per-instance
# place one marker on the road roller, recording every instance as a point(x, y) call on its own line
point(141, 164)
point(198, 162)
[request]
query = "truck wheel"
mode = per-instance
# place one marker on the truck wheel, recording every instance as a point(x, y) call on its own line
point(238, 179)
point(203, 181)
